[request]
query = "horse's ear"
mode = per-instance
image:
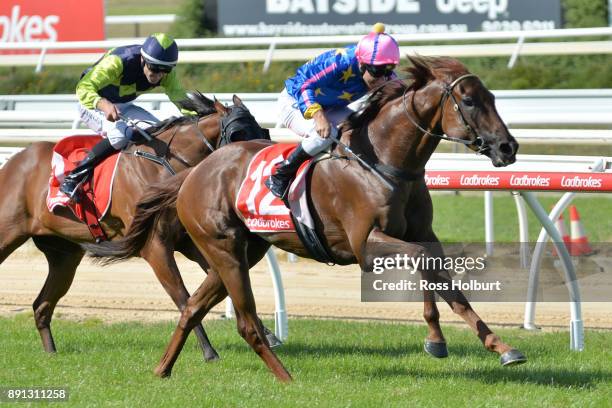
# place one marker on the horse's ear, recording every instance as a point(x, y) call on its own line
point(237, 101)
point(219, 107)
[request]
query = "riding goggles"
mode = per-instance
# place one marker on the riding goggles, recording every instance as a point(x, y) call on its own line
point(158, 68)
point(378, 71)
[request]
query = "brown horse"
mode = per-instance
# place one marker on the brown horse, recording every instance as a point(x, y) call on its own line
point(24, 180)
point(354, 211)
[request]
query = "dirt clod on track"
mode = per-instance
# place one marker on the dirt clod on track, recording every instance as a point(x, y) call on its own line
point(129, 291)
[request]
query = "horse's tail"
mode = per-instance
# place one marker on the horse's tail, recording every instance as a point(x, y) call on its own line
point(150, 208)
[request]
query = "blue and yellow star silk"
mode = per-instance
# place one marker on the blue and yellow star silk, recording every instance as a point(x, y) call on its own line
point(330, 80)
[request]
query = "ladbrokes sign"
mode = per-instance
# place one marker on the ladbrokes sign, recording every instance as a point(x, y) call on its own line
point(39, 20)
point(329, 17)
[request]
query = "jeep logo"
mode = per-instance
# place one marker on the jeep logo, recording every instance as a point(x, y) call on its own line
point(490, 7)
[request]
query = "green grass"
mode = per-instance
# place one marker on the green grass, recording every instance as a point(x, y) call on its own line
point(461, 218)
point(333, 363)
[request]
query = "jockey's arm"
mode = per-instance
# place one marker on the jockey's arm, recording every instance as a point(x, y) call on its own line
point(175, 91)
point(308, 101)
point(318, 77)
point(107, 71)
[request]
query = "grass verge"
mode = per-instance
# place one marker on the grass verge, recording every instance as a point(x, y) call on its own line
point(334, 363)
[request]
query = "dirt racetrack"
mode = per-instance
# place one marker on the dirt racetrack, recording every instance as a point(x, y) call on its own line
point(129, 291)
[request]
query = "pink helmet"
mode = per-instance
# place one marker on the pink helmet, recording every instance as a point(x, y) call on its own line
point(378, 48)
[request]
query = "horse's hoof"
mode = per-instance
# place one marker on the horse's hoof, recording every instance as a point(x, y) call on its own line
point(438, 350)
point(162, 373)
point(211, 357)
point(512, 357)
point(273, 341)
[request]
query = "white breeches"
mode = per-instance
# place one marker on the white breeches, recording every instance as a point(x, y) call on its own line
point(292, 118)
point(115, 131)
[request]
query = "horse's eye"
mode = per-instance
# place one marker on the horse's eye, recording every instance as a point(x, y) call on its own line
point(468, 101)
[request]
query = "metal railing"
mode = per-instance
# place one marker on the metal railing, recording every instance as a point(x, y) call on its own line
point(273, 52)
point(520, 109)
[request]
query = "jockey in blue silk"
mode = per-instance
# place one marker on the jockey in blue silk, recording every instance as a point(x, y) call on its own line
point(314, 101)
point(106, 90)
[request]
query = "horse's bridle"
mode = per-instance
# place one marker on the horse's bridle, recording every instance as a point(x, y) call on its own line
point(476, 143)
point(196, 122)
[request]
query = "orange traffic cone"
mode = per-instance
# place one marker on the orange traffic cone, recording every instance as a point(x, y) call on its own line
point(560, 225)
point(579, 241)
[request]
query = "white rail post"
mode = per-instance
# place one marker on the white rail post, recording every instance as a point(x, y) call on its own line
point(536, 261)
point(269, 56)
point(534, 272)
point(576, 324)
point(516, 52)
point(41, 60)
point(523, 229)
point(489, 230)
point(281, 324)
point(229, 308)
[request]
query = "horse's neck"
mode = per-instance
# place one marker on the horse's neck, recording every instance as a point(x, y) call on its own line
point(183, 145)
point(397, 141)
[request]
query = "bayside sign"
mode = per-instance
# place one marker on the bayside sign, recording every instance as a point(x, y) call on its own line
point(65, 20)
point(331, 17)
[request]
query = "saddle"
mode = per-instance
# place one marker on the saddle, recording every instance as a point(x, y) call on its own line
point(261, 211)
point(97, 188)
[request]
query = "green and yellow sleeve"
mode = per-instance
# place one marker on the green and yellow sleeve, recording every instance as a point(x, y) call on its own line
point(107, 71)
point(175, 91)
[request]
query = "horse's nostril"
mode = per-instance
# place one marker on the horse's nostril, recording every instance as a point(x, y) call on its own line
point(506, 148)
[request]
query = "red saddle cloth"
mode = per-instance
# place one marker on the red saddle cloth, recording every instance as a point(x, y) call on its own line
point(260, 209)
point(96, 199)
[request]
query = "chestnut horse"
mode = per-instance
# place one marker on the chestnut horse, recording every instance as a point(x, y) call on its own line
point(24, 181)
point(396, 133)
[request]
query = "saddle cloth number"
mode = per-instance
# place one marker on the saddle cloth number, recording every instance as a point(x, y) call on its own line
point(266, 204)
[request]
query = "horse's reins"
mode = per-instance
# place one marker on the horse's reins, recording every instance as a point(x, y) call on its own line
point(162, 161)
point(378, 169)
point(364, 163)
point(476, 143)
point(134, 125)
point(200, 133)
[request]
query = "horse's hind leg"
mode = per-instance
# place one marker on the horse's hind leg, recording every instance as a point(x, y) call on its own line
point(210, 293)
point(164, 265)
point(11, 240)
point(188, 249)
point(232, 263)
point(63, 258)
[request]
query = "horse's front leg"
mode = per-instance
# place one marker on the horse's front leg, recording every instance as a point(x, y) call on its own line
point(492, 342)
point(455, 298)
point(435, 344)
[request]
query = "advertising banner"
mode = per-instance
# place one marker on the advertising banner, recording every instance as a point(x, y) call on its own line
point(38, 20)
point(337, 17)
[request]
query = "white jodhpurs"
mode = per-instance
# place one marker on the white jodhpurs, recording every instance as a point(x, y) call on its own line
point(292, 118)
point(115, 131)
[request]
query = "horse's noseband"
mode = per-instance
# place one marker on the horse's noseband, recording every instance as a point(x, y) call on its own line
point(476, 143)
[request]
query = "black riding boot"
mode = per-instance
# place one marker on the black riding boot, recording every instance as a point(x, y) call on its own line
point(278, 183)
point(98, 153)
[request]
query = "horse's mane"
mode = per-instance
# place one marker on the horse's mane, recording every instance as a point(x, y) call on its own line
point(422, 71)
point(195, 102)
